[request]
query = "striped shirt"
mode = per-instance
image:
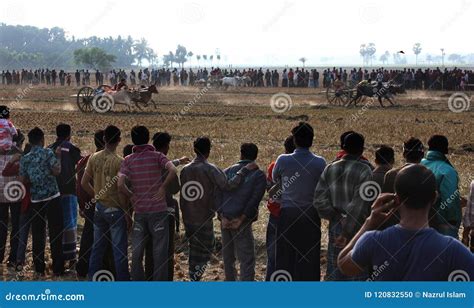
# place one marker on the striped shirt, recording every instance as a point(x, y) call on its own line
point(144, 169)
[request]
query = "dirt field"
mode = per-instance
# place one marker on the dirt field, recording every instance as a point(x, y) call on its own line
point(246, 115)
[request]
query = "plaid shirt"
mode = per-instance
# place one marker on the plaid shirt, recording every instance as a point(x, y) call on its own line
point(144, 168)
point(338, 195)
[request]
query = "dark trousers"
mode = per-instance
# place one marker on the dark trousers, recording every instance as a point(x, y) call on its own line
point(299, 244)
point(50, 212)
point(271, 238)
point(87, 239)
point(14, 209)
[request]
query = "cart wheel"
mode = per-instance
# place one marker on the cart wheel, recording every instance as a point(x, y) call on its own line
point(84, 99)
point(331, 96)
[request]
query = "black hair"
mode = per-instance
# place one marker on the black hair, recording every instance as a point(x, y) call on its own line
point(354, 143)
point(249, 151)
point(99, 139)
point(289, 145)
point(127, 150)
point(63, 131)
point(384, 155)
point(35, 136)
point(202, 146)
point(112, 134)
point(303, 135)
point(438, 143)
point(4, 112)
point(140, 135)
point(413, 150)
point(416, 186)
point(343, 136)
point(161, 140)
point(19, 138)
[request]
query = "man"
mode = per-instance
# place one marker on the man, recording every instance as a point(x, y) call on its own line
point(87, 209)
point(200, 181)
point(340, 197)
point(413, 152)
point(111, 211)
point(384, 160)
point(39, 167)
point(468, 220)
point(274, 207)
point(299, 226)
point(143, 170)
point(70, 156)
point(161, 142)
point(121, 85)
point(410, 250)
point(238, 209)
point(10, 202)
point(342, 152)
point(446, 213)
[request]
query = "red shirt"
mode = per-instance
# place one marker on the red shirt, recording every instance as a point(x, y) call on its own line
point(273, 206)
point(143, 169)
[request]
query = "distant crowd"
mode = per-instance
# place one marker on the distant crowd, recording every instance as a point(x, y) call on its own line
point(385, 222)
point(411, 78)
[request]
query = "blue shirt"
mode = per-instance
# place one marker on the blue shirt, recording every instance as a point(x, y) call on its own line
point(299, 174)
point(37, 166)
point(397, 254)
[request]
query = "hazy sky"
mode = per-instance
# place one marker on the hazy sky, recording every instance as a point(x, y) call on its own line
point(262, 31)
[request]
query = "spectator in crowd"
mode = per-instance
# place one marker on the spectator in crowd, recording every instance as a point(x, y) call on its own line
point(143, 169)
point(340, 198)
point(468, 220)
point(274, 208)
point(87, 210)
point(39, 167)
point(413, 152)
point(384, 160)
point(111, 210)
point(446, 214)
point(238, 209)
point(299, 225)
point(200, 181)
point(7, 129)
point(70, 156)
point(343, 152)
point(12, 193)
point(411, 250)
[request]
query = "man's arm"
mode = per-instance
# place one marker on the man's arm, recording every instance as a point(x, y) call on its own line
point(87, 178)
point(172, 171)
point(258, 191)
point(322, 198)
point(55, 162)
point(222, 182)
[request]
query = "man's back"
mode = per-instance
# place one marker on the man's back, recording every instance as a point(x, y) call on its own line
point(298, 174)
point(396, 254)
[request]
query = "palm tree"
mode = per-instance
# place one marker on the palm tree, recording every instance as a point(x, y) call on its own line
point(417, 51)
point(198, 57)
point(190, 56)
point(303, 60)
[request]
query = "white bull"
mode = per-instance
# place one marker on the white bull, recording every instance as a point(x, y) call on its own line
point(232, 81)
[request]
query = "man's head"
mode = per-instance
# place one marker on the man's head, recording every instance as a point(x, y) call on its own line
point(161, 142)
point(36, 136)
point(112, 135)
point(303, 135)
point(354, 144)
point(289, 145)
point(415, 186)
point(128, 150)
point(438, 143)
point(384, 155)
point(99, 140)
point(4, 112)
point(413, 150)
point(248, 151)
point(63, 131)
point(140, 135)
point(202, 146)
point(343, 136)
point(18, 139)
